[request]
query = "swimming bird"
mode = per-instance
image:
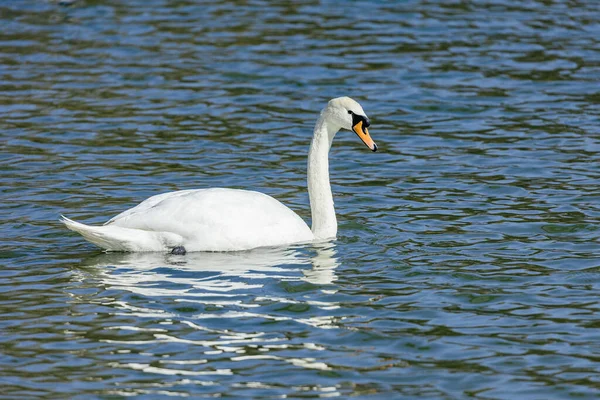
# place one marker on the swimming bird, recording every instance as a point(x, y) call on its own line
point(219, 219)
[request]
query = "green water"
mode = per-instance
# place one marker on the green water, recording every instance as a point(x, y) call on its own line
point(466, 263)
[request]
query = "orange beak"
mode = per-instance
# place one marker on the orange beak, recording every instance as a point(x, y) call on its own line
point(363, 134)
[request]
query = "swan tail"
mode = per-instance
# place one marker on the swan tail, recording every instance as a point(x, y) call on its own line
point(116, 238)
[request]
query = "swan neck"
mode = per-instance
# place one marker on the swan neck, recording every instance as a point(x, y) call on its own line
point(324, 222)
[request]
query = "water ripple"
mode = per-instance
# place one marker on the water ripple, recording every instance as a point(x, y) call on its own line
point(466, 264)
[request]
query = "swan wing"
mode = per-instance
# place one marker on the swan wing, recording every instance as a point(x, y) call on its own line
point(145, 205)
point(218, 219)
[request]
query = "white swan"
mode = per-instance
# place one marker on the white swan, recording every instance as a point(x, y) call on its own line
point(231, 219)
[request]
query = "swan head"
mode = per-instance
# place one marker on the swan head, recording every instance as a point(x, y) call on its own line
point(346, 113)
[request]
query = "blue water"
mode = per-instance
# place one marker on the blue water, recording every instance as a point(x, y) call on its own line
point(466, 263)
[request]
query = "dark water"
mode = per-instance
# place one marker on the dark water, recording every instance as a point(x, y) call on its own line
point(467, 263)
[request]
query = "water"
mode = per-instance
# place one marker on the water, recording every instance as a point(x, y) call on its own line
point(467, 259)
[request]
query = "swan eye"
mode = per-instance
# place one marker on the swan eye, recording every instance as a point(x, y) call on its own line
point(350, 112)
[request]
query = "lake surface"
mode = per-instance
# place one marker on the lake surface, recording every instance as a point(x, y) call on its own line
point(467, 263)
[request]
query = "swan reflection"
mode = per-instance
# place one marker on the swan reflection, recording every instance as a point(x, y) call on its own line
point(323, 268)
point(214, 274)
point(227, 309)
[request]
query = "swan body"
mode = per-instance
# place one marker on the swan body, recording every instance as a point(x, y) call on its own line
point(219, 219)
point(214, 219)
